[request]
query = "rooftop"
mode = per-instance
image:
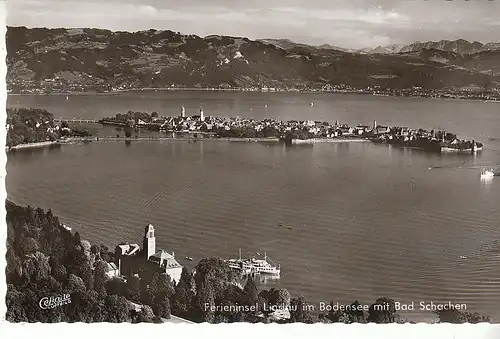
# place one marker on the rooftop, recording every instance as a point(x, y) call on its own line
point(164, 259)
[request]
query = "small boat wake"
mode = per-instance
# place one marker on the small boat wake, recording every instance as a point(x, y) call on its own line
point(459, 165)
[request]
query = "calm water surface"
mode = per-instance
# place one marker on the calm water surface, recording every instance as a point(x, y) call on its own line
point(345, 221)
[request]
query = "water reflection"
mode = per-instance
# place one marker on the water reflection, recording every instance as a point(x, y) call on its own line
point(486, 181)
point(268, 278)
point(262, 279)
point(34, 151)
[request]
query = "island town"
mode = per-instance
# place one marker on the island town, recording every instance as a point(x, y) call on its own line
point(35, 127)
point(291, 131)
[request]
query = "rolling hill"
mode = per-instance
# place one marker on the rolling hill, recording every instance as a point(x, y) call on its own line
point(96, 59)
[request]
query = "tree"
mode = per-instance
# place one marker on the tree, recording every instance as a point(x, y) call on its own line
point(86, 249)
point(457, 317)
point(352, 315)
point(160, 285)
point(251, 293)
point(14, 300)
point(145, 315)
point(133, 291)
point(100, 277)
point(28, 246)
point(163, 306)
point(154, 115)
point(184, 293)
point(76, 239)
point(116, 286)
point(383, 311)
point(205, 301)
point(299, 311)
point(28, 269)
point(215, 272)
point(14, 269)
point(85, 272)
point(280, 297)
point(11, 235)
point(57, 268)
point(75, 284)
point(116, 309)
point(41, 265)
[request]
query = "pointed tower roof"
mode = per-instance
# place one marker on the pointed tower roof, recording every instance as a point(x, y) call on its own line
point(148, 228)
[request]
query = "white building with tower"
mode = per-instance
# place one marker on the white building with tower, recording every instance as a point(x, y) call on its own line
point(160, 258)
point(130, 260)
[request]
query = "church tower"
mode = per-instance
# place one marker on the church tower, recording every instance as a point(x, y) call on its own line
point(183, 112)
point(149, 241)
point(202, 117)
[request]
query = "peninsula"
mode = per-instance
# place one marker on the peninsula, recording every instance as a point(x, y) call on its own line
point(291, 131)
point(36, 128)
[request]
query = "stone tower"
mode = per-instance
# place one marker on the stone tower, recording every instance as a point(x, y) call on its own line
point(202, 117)
point(149, 241)
point(183, 112)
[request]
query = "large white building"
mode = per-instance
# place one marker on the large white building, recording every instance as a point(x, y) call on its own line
point(161, 257)
point(130, 259)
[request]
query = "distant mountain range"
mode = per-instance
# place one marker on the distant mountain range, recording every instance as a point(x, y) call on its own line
point(457, 46)
point(289, 44)
point(82, 59)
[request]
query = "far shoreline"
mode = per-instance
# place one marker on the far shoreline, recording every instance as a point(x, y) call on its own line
point(118, 92)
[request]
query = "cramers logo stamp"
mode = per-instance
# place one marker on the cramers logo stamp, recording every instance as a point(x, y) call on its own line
point(53, 302)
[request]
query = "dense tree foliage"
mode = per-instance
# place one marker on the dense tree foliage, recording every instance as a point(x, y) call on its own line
point(184, 294)
point(46, 260)
point(458, 317)
point(301, 134)
point(30, 125)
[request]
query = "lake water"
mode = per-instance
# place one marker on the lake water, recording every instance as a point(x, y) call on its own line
point(346, 221)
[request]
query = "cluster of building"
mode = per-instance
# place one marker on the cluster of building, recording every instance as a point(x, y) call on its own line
point(202, 123)
point(310, 129)
point(132, 260)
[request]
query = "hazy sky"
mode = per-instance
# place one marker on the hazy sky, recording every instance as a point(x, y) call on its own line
point(346, 23)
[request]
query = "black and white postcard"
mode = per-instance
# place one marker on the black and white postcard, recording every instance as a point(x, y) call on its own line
point(260, 162)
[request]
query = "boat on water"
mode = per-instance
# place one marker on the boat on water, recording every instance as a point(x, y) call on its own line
point(462, 147)
point(485, 174)
point(66, 227)
point(254, 265)
point(189, 258)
